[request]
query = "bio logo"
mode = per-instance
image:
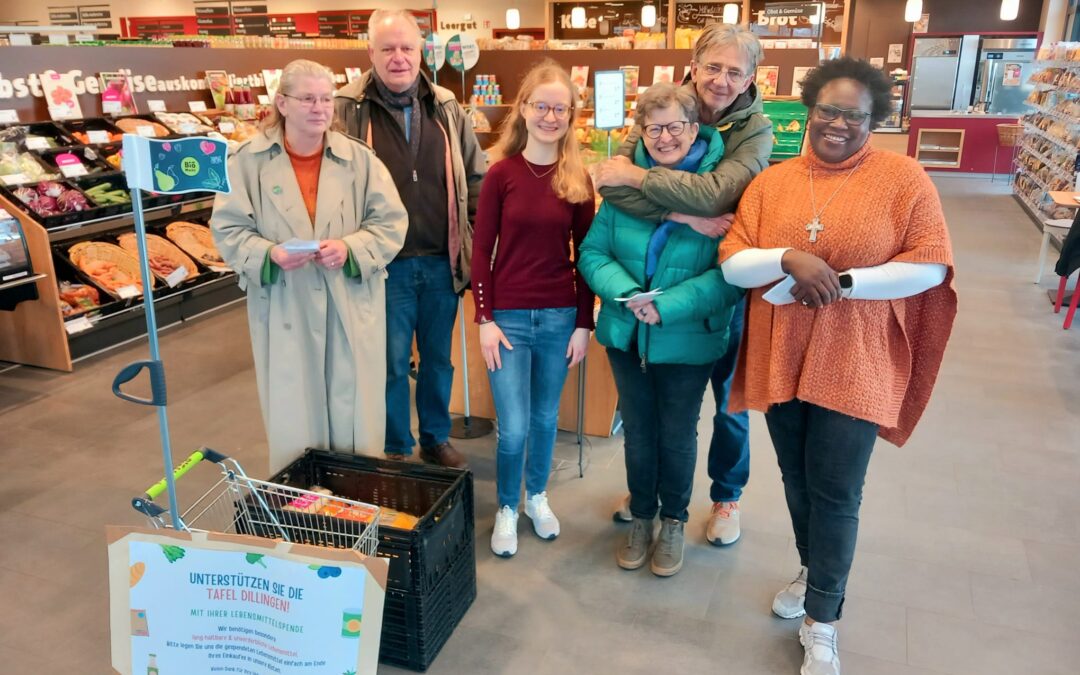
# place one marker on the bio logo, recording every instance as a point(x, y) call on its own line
point(190, 166)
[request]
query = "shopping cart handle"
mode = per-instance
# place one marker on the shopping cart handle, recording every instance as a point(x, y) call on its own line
point(155, 490)
point(147, 507)
point(157, 382)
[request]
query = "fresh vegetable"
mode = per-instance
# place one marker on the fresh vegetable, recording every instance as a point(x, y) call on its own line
point(172, 553)
point(70, 200)
point(50, 189)
point(78, 297)
point(106, 194)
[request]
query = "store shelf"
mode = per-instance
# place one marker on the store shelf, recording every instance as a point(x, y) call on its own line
point(1061, 143)
point(937, 148)
point(83, 229)
point(1070, 65)
point(939, 163)
point(1047, 162)
point(1034, 179)
point(1050, 112)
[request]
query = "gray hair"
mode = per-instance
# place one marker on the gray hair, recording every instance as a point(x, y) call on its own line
point(663, 94)
point(727, 35)
point(384, 15)
point(289, 77)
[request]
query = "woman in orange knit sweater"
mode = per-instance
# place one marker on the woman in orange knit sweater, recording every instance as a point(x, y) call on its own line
point(848, 257)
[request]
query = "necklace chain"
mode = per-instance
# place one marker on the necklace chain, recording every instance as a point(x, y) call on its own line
point(528, 165)
point(813, 199)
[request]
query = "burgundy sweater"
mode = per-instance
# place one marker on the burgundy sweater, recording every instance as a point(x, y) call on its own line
point(534, 229)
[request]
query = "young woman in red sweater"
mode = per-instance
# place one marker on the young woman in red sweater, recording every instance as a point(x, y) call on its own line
point(535, 312)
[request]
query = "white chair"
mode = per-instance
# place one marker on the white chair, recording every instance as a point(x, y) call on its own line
point(1062, 225)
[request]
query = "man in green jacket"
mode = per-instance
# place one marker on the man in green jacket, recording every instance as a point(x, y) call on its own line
point(722, 81)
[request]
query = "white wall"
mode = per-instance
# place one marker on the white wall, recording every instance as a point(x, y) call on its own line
point(448, 11)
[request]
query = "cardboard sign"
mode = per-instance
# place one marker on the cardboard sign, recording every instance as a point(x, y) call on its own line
point(60, 95)
point(462, 52)
point(77, 325)
point(9, 116)
point(155, 105)
point(36, 143)
point(96, 136)
point(194, 164)
point(126, 292)
point(434, 53)
point(200, 603)
point(196, 106)
point(116, 96)
point(177, 277)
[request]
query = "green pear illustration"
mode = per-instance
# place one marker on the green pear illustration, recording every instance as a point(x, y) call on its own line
point(164, 180)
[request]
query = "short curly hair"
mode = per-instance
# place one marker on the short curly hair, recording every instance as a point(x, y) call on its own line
point(875, 81)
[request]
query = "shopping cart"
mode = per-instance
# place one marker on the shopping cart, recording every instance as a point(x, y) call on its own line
point(237, 504)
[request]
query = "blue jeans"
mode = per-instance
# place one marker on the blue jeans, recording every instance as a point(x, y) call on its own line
point(660, 409)
point(823, 456)
point(729, 451)
point(526, 391)
point(420, 299)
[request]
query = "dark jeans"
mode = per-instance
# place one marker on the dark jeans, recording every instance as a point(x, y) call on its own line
point(823, 457)
point(420, 299)
point(526, 392)
point(660, 409)
point(729, 451)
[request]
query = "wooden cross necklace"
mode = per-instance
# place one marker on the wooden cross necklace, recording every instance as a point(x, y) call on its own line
point(815, 225)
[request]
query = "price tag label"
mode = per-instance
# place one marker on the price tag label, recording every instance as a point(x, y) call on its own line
point(37, 143)
point(84, 37)
point(9, 116)
point(73, 170)
point(264, 99)
point(177, 277)
point(78, 325)
point(112, 107)
point(146, 130)
point(58, 39)
point(155, 105)
point(188, 128)
point(14, 179)
point(126, 292)
point(226, 127)
point(21, 40)
point(219, 269)
point(98, 136)
point(196, 106)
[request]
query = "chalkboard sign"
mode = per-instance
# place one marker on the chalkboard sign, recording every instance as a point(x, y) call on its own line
point(698, 14)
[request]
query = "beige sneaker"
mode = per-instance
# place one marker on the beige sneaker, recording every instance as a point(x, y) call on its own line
point(723, 526)
point(635, 551)
point(667, 557)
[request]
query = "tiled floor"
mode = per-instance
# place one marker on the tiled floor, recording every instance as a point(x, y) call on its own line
point(968, 559)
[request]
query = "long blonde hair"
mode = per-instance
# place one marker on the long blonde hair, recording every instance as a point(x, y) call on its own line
point(289, 77)
point(570, 180)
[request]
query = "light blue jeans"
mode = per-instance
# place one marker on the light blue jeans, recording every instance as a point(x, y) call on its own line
point(526, 391)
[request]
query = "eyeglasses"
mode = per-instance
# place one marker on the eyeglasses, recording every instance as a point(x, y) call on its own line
point(673, 128)
point(853, 116)
point(713, 72)
point(309, 100)
point(560, 110)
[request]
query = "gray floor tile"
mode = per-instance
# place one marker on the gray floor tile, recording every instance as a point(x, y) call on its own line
point(920, 585)
point(1038, 609)
point(1055, 565)
point(957, 646)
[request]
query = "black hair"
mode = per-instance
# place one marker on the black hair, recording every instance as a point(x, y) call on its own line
point(871, 77)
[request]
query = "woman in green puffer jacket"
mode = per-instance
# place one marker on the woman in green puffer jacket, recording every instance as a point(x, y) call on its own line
point(661, 347)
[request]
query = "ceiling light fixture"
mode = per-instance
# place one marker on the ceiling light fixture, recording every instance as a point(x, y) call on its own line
point(648, 16)
point(731, 13)
point(913, 11)
point(577, 17)
point(513, 19)
point(1009, 9)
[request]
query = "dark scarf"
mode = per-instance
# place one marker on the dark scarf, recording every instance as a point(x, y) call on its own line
point(397, 102)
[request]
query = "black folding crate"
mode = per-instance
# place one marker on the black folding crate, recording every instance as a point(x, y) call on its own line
point(441, 497)
point(415, 627)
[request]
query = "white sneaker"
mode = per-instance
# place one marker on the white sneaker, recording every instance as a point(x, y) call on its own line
point(819, 643)
point(789, 603)
point(723, 526)
point(504, 537)
point(622, 511)
point(544, 522)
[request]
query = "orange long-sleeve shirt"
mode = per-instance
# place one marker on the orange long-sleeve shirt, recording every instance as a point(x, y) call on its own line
point(307, 169)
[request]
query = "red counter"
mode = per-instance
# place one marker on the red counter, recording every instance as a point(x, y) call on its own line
point(974, 149)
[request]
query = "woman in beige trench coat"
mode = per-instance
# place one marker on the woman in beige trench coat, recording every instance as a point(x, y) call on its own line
point(317, 320)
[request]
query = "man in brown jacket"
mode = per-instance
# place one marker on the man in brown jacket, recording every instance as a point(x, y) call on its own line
point(424, 138)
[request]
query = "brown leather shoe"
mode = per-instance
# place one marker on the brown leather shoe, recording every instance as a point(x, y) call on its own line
point(444, 454)
point(397, 456)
